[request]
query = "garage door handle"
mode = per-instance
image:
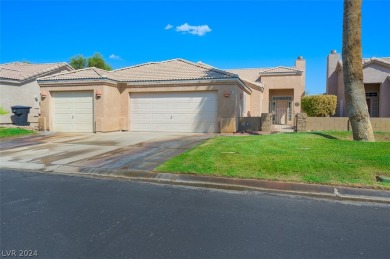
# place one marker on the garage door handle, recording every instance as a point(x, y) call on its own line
point(171, 117)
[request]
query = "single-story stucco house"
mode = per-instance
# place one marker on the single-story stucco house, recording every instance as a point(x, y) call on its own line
point(283, 89)
point(18, 86)
point(173, 95)
point(376, 79)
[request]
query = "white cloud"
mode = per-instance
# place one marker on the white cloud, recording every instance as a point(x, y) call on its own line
point(116, 57)
point(168, 27)
point(196, 30)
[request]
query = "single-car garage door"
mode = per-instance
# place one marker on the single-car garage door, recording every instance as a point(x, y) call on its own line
point(72, 111)
point(176, 112)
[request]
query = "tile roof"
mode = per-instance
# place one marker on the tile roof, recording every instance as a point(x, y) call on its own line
point(250, 74)
point(366, 61)
point(22, 71)
point(175, 69)
point(80, 74)
point(253, 74)
point(280, 70)
point(385, 60)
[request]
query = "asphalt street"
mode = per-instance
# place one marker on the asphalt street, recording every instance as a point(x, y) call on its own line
point(57, 216)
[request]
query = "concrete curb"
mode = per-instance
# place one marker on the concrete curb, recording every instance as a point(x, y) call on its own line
point(312, 190)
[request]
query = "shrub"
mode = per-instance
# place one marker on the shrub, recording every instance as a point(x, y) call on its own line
point(3, 111)
point(319, 105)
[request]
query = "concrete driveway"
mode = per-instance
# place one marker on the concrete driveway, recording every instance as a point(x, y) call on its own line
point(66, 152)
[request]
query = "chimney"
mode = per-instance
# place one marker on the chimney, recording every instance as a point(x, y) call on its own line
point(300, 64)
point(331, 74)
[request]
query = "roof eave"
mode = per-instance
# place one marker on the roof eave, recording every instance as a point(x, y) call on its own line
point(78, 80)
point(380, 62)
point(43, 73)
point(254, 85)
point(10, 80)
point(282, 74)
point(190, 81)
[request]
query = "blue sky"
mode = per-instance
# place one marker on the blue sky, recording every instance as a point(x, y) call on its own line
point(224, 34)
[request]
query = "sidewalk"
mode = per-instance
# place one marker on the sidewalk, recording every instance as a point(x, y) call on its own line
point(312, 190)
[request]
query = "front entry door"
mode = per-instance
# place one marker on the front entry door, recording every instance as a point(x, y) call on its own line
point(280, 110)
point(282, 107)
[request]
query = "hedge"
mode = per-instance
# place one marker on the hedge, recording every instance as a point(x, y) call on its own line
point(319, 105)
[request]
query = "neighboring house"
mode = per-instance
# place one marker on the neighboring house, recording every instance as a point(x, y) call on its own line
point(376, 79)
point(283, 89)
point(18, 86)
point(174, 95)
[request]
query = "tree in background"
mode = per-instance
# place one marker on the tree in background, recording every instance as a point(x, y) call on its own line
point(97, 60)
point(353, 72)
point(319, 105)
point(78, 62)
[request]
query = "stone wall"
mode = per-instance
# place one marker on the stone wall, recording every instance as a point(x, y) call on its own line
point(266, 122)
point(381, 124)
point(328, 123)
point(300, 122)
point(337, 123)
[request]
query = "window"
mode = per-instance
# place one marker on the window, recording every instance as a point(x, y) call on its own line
point(289, 111)
point(281, 98)
point(372, 103)
point(371, 94)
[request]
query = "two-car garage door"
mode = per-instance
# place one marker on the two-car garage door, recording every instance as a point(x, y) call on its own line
point(73, 111)
point(175, 112)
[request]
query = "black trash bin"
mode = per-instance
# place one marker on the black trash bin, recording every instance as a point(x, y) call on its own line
point(21, 115)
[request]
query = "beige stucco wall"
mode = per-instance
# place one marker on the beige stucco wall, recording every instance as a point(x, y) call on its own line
point(291, 85)
point(255, 103)
point(384, 100)
point(372, 74)
point(111, 110)
point(110, 121)
point(341, 109)
point(331, 73)
point(342, 124)
point(106, 108)
point(294, 82)
point(375, 73)
point(26, 94)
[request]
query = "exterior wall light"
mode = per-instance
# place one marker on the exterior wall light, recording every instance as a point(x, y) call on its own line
point(43, 94)
point(98, 93)
point(226, 93)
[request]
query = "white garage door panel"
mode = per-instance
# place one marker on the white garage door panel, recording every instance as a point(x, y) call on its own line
point(73, 111)
point(180, 112)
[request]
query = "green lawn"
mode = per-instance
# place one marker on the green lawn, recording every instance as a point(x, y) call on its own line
point(11, 132)
point(315, 157)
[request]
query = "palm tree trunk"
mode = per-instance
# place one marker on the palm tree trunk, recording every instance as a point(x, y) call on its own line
point(353, 72)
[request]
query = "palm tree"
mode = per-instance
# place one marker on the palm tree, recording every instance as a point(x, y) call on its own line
point(353, 72)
